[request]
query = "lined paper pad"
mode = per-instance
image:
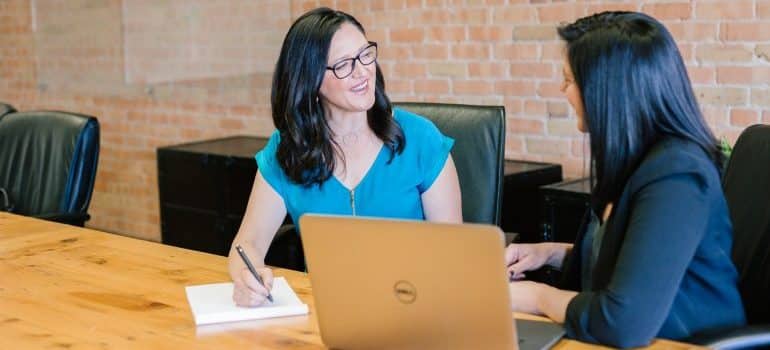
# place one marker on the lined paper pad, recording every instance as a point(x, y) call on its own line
point(213, 303)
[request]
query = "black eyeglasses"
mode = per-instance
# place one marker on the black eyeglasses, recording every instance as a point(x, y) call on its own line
point(344, 68)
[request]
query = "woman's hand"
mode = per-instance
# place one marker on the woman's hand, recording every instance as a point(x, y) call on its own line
point(527, 257)
point(246, 290)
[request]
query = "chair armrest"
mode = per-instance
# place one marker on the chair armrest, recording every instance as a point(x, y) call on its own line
point(739, 338)
point(286, 249)
point(76, 219)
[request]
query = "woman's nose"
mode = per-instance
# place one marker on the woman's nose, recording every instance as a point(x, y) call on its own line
point(359, 69)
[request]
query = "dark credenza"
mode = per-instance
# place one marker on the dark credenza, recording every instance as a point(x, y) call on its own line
point(563, 207)
point(521, 197)
point(204, 188)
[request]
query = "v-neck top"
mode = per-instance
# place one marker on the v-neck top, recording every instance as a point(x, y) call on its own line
point(387, 190)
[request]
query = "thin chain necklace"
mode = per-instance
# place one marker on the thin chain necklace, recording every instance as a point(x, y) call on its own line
point(351, 138)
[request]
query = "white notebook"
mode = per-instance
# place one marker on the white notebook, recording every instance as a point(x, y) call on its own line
point(213, 303)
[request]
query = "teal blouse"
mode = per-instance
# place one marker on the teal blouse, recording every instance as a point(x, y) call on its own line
point(388, 189)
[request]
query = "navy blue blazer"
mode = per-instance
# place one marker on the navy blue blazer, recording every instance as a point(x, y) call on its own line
point(664, 268)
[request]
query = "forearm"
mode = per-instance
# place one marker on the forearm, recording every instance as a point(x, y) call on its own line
point(253, 249)
point(553, 302)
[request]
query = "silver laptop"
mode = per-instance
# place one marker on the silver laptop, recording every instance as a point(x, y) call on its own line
point(397, 284)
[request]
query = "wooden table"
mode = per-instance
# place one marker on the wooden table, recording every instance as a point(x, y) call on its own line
point(67, 287)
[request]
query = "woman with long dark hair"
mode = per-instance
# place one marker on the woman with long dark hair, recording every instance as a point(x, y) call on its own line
point(339, 148)
point(654, 252)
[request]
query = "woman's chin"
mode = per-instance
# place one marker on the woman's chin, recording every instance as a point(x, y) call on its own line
point(363, 104)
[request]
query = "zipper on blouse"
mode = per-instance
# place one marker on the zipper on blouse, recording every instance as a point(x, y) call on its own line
point(353, 201)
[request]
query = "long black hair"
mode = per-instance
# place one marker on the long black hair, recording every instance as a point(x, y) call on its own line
point(306, 151)
point(635, 91)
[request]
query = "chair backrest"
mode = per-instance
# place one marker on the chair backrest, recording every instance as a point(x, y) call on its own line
point(479, 134)
point(48, 161)
point(747, 190)
point(5, 109)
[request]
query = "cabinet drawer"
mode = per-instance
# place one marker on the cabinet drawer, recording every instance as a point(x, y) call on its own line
point(194, 229)
point(190, 180)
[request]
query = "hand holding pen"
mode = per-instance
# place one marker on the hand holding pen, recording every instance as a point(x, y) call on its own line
point(252, 285)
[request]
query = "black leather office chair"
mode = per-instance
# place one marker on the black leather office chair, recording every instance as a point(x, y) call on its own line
point(48, 163)
point(747, 190)
point(478, 153)
point(6, 109)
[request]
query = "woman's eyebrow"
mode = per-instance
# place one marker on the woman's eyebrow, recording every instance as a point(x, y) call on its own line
point(361, 48)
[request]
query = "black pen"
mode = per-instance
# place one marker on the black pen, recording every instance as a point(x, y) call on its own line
point(251, 268)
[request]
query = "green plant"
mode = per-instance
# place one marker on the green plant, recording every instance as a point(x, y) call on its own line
point(726, 148)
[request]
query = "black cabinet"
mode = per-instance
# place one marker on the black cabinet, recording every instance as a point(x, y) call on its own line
point(563, 207)
point(204, 188)
point(520, 207)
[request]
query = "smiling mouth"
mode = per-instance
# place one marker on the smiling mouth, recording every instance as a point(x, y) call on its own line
point(360, 87)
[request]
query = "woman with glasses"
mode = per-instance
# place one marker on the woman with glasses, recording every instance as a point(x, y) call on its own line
point(339, 148)
point(653, 259)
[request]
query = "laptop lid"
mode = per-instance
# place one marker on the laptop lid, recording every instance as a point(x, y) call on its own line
point(408, 284)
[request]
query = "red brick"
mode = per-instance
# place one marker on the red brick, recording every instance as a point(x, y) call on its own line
point(472, 87)
point(432, 86)
point(549, 89)
point(410, 70)
point(536, 70)
point(693, 31)
point(545, 146)
point(471, 51)
point(514, 105)
point(488, 33)
point(431, 51)
point(558, 13)
point(534, 32)
point(515, 88)
point(554, 52)
point(701, 75)
point(741, 31)
point(409, 35)
point(743, 75)
point(487, 70)
point(743, 117)
point(734, 75)
point(616, 6)
point(733, 9)
point(514, 144)
point(525, 126)
point(514, 14)
point(667, 11)
point(445, 34)
point(515, 51)
point(723, 53)
point(535, 107)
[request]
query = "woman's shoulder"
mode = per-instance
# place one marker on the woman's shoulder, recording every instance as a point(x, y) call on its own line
point(674, 156)
point(412, 123)
point(410, 119)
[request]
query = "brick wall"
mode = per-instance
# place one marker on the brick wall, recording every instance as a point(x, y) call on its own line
point(97, 57)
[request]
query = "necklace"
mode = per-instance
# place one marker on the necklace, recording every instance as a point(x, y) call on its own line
point(351, 137)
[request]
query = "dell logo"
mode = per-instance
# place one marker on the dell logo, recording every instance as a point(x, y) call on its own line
point(405, 292)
